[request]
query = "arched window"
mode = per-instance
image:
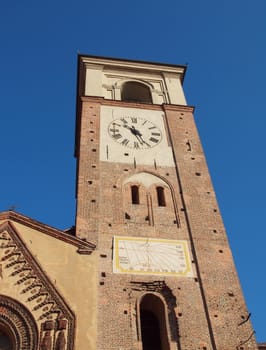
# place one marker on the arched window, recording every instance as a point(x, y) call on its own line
point(134, 194)
point(153, 323)
point(135, 92)
point(160, 196)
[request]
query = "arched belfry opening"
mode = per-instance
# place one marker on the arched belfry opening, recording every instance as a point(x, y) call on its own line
point(133, 91)
point(153, 323)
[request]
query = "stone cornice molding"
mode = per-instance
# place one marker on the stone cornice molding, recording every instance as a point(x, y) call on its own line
point(84, 247)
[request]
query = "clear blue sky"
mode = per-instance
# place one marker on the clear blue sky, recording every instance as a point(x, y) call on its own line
point(223, 43)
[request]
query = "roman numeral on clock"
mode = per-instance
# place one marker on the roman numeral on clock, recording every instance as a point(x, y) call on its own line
point(117, 136)
point(152, 139)
point(136, 145)
point(125, 142)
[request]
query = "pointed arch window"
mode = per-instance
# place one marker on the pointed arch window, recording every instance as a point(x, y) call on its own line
point(133, 91)
point(135, 194)
point(153, 323)
point(160, 196)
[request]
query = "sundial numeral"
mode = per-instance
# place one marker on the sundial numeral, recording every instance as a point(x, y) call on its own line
point(124, 120)
point(134, 120)
point(156, 134)
point(136, 145)
point(152, 127)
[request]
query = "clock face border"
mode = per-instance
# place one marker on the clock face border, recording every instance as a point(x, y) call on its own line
point(135, 132)
point(113, 152)
point(132, 255)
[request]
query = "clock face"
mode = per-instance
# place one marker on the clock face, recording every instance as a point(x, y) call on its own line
point(153, 256)
point(135, 133)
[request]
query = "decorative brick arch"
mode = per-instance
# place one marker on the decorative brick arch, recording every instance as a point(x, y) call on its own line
point(19, 324)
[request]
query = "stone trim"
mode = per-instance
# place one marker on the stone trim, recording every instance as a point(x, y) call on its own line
point(48, 308)
point(84, 247)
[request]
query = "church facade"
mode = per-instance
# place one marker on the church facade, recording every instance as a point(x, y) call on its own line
point(147, 265)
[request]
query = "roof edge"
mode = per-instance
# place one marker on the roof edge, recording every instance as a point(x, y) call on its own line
point(84, 247)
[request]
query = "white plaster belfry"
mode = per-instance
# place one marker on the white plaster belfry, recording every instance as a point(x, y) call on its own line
point(105, 78)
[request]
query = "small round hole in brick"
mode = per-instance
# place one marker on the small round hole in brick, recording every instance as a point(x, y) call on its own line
point(110, 225)
point(167, 174)
point(180, 314)
point(126, 154)
point(103, 274)
point(198, 174)
point(215, 210)
point(125, 312)
point(195, 279)
point(180, 118)
point(94, 150)
point(93, 166)
point(91, 122)
point(125, 169)
point(93, 200)
point(221, 251)
point(192, 158)
point(92, 140)
point(215, 316)
point(214, 231)
point(181, 113)
point(91, 131)
point(90, 182)
point(114, 186)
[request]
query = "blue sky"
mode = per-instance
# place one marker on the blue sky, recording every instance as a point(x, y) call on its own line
point(223, 43)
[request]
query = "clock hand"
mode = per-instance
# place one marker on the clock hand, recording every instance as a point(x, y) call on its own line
point(135, 132)
point(143, 141)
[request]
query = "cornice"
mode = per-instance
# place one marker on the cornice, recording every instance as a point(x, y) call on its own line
point(84, 247)
point(161, 107)
point(109, 62)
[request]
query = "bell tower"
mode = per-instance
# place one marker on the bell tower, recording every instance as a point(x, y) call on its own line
point(166, 276)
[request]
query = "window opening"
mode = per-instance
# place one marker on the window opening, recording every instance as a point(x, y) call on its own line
point(135, 194)
point(153, 323)
point(160, 196)
point(136, 92)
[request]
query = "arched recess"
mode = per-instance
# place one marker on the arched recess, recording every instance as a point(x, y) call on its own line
point(135, 91)
point(156, 194)
point(17, 326)
point(153, 323)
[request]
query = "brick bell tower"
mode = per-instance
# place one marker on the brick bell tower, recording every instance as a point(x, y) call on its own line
point(166, 276)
